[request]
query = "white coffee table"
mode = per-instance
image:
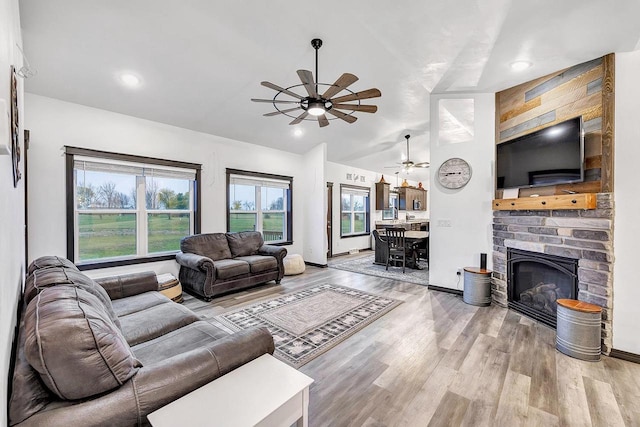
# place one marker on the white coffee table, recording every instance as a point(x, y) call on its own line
point(263, 392)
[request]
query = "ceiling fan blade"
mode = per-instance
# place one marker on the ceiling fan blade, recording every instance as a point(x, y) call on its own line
point(280, 89)
point(365, 94)
point(300, 118)
point(306, 77)
point(422, 165)
point(343, 82)
point(346, 117)
point(275, 101)
point(354, 107)
point(323, 121)
point(275, 113)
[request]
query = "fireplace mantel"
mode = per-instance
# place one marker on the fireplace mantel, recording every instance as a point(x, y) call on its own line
point(556, 202)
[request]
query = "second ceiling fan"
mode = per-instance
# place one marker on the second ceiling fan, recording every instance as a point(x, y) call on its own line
point(317, 104)
point(407, 164)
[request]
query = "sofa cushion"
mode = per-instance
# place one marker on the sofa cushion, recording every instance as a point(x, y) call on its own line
point(245, 243)
point(28, 393)
point(54, 276)
point(50, 261)
point(260, 263)
point(228, 268)
point(134, 303)
point(74, 345)
point(212, 245)
point(155, 321)
point(190, 337)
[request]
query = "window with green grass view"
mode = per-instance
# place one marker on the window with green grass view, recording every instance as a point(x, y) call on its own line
point(354, 213)
point(260, 202)
point(126, 210)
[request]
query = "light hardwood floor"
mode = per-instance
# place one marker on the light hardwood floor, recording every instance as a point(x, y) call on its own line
point(436, 361)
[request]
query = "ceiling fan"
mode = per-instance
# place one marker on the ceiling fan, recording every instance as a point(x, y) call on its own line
point(316, 104)
point(407, 165)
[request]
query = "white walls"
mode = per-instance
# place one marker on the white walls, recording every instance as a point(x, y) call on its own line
point(315, 205)
point(55, 123)
point(11, 202)
point(626, 291)
point(460, 220)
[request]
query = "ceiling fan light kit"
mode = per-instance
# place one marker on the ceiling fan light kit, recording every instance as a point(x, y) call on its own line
point(318, 105)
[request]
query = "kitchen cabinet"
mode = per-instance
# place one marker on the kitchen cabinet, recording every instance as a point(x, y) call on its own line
point(412, 199)
point(382, 196)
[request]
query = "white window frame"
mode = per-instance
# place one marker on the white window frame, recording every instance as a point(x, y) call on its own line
point(352, 191)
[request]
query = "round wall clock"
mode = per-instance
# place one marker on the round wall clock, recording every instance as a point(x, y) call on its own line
point(454, 173)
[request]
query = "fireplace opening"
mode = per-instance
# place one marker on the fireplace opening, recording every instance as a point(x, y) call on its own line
point(535, 281)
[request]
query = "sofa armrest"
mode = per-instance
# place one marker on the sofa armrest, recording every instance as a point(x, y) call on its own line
point(159, 384)
point(276, 251)
point(279, 253)
point(194, 261)
point(126, 285)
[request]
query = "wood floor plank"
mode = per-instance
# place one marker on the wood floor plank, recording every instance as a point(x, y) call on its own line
point(603, 407)
point(425, 403)
point(482, 409)
point(538, 418)
point(450, 411)
point(495, 320)
point(514, 400)
point(624, 378)
point(435, 360)
point(521, 358)
point(572, 398)
point(544, 393)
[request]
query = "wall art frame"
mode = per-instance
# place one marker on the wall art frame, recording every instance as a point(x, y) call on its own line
point(15, 128)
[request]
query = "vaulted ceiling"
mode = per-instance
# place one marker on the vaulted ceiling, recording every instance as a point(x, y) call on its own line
point(201, 61)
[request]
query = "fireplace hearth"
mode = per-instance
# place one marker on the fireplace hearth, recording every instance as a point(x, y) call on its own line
point(536, 280)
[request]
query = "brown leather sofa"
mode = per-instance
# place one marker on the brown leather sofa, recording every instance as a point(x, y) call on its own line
point(216, 263)
point(111, 351)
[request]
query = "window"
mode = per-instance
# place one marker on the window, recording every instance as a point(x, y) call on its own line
point(260, 202)
point(124, 209)
point(354, 214)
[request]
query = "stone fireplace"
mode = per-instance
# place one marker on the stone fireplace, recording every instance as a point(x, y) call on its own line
point(535, 281)
point(585, 237)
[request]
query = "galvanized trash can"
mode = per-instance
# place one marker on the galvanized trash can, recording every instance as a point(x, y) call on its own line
point(578, 331)
point(477, 286)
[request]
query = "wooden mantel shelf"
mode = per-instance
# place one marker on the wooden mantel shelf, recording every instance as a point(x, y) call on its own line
point(564, 201)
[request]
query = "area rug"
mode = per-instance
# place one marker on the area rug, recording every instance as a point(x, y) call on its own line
point(307, 323)
point(365, 265)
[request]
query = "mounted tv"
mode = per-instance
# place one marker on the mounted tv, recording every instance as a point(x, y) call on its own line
point(549, 156)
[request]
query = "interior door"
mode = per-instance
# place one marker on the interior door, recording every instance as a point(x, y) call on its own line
point(329, 219)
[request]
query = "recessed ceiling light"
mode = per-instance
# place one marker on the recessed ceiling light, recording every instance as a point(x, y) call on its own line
point(520, 65)
point(297, 132)
point(129, 79)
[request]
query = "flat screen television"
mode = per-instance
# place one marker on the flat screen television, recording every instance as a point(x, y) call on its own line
point(549, 156)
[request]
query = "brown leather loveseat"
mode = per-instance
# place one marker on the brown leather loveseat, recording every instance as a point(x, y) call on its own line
point(217, 263)
point(111, 351)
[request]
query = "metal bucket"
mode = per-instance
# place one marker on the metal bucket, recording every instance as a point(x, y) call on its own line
point(477, 287)
point(578, 333)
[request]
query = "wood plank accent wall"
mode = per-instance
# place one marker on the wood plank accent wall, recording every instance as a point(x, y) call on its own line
point(585, 89)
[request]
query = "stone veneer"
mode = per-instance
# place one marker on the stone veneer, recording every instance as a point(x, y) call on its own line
point(585, 235)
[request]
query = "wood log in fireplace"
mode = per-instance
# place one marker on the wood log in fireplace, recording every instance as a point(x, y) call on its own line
point(542, 297)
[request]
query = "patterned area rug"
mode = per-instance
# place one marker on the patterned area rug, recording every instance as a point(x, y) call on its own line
point(365, 265)
point(305, 324)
